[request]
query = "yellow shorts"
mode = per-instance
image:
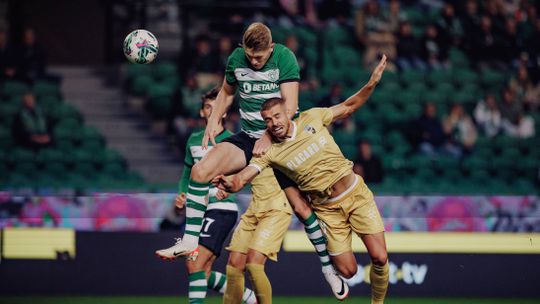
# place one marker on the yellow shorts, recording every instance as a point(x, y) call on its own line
point(354, 211)
point(261, 231)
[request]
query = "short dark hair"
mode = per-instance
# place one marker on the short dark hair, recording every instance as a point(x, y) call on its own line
point(210, 95)
point(271, 102)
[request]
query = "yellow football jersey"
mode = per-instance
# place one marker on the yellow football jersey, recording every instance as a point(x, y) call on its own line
point(267, 194)
point(311, 157)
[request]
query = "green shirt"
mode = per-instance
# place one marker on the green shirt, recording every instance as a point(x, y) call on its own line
point(256, 86)
point(195, 153)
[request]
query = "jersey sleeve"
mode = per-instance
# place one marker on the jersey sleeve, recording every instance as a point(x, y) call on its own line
point(323, 114)
point(229, 70)
point(260, 163)
point(288, 67)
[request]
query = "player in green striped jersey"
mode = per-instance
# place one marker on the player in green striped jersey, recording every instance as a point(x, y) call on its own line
point(258, 70)
point(217, 220)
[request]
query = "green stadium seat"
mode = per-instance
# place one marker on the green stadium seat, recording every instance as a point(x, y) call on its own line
point(474, 163)
point(49, 103)
point(49, 156)
point(6, 141)
point(445, 88)
point(458, 58)
point(356, 77)
point(439, 76)
point(141, 84)
point(20, 155)
point(137, 70)
point(347, 58)
point(62, 134)
point(425, 174)
point(349, 151)
point(419, 88)
point(463, 77)
point(15, 89)
point(435, 96)
point(159, 99)
point(65, 111)
point(492, 79)
point(412, 76)
point(55, 169)
point(45, 88)
point(163, 70)
point(336, 36)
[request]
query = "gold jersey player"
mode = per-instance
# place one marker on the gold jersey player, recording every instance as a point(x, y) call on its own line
point(258, 70)
point(305, 151)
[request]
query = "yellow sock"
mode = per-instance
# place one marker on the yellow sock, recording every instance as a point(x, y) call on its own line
point(379, 282)
point(260, 283)
point(235, 286)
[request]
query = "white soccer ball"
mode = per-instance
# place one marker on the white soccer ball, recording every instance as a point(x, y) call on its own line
point(141, 46)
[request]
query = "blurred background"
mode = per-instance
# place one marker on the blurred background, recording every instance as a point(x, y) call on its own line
point(91, 147)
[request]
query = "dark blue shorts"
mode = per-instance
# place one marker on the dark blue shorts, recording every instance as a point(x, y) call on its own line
point(216, 227)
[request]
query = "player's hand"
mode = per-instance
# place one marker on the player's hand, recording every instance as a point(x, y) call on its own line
point(262, 145)
point(378, 71)
point(210, 133)
point(221, 195)
point(180, 200)
point(224, 183)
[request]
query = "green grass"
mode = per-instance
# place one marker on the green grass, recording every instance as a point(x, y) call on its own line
point(276, 300)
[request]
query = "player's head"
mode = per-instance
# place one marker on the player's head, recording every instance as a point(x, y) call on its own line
point(257, 44)
point(275, 115)
point(208, 102)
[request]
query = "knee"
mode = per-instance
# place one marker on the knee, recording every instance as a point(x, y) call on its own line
point(240, 265)
point(347, 271)
point(199, 173)
point(302, 210)
point(379, 258)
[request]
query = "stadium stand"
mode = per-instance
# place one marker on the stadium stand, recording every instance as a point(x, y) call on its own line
point(330, 54)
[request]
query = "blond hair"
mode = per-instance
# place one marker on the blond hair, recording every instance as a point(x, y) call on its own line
point(257, 37)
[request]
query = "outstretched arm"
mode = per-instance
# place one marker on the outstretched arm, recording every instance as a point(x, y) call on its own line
point(353, 103)
point(223, 102)
point(235, 183)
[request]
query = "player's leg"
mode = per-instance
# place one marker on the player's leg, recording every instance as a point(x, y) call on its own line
point(265, 244)
point(257, 276)
point(223, 158)
point(242, 236)
point(379, 272)
point(366, 221)
point(226, 157)
point(197, 267)
point(313, 230)
point(235, 278)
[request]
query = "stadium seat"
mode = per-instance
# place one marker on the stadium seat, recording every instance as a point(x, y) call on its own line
point(14, 89)
point(411, 76)
point(164, 70)
point(458, 58)
point(141, 84)
point(439, 76)
point(46, 89)
point(463, 77)
point(492, 79)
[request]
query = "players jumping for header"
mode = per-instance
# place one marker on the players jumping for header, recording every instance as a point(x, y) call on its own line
point(304, 150)
point(259, 70)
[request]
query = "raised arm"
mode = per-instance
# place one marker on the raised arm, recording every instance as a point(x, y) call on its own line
point(353, 103)
point(223, 102)
point(235, 183)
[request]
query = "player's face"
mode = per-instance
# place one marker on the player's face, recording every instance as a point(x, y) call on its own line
point(277, 121)
point(258, 59)
point(207, 108)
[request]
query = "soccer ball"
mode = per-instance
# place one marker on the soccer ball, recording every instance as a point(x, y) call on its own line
point(141, 46)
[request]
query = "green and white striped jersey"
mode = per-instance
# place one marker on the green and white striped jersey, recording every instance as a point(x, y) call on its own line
point(256, 86)
point(195, 153)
